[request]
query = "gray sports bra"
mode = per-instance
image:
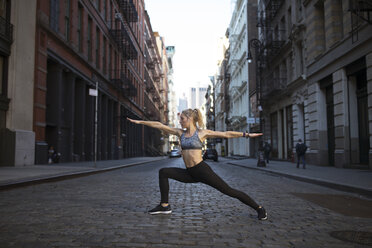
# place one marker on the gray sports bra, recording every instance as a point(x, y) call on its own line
point(193, 142)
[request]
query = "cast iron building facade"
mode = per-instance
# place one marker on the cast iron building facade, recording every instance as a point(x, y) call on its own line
point(316, 79)
point(80, 43)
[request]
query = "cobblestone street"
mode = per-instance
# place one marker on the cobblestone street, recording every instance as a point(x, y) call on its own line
point(110, 210)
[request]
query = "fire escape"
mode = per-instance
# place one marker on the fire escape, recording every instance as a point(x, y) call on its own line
point(128, 9)
point(153, 82)
point(360, 11)
point(272, 41)
point(122, 83)
point(123, 41)
point(119, 32)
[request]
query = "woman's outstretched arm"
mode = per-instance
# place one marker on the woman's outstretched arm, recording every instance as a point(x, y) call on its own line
point(229, 134)
point(158, 125)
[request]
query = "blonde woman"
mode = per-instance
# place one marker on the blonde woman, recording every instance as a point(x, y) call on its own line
point(192, 137)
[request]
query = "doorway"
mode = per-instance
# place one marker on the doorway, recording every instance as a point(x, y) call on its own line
point(362, 105)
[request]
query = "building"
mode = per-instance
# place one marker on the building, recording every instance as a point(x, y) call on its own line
point(241, 88)
point(162, 80)
point(196, 97)
point(221, 95)
point(81, 44)
point(316, 79)
point(172, 100)
point(182, 103)
point(17, 66)
point(154, 90)
point(72, 49)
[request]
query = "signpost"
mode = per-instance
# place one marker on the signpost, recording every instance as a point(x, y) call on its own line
point(94, 92)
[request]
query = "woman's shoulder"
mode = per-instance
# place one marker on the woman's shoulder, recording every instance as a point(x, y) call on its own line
point(203, 133)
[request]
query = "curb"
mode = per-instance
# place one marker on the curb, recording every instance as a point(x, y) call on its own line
point(337, 186)
point(67, 175)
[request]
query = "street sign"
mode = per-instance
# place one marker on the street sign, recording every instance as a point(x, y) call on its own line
point(252, 120)
point(93, 92)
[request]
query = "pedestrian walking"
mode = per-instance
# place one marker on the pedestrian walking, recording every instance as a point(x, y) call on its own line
point(301, 151)
point(267, 150)
point(191, 138)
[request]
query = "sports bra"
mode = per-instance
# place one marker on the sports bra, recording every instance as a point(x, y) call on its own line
point(193, 142)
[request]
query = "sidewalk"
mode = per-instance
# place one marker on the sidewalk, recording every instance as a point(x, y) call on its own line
point(350, 180)
point(11, 177)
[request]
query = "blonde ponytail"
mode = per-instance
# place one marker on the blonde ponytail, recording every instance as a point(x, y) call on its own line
point(198, 118)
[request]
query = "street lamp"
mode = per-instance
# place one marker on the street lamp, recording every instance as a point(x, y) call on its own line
point(258, 46)
point(249, 58)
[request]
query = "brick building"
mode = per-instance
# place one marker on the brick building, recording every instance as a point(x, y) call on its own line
point(75, 46)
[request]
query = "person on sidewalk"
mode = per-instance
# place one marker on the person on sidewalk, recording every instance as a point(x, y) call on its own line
point(267, 150)
point(196, 169)
point(301, 151)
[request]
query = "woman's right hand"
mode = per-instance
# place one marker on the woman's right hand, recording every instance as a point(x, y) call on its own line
point(134, 121)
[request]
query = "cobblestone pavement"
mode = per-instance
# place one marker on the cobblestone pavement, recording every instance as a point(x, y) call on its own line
point(110, 210)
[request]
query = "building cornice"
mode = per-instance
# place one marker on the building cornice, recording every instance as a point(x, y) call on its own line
point(340, 55)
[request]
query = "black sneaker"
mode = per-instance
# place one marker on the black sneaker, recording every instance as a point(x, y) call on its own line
point(262, 215)
point(159, 209)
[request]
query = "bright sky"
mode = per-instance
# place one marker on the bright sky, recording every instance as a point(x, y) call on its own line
point(194, 28)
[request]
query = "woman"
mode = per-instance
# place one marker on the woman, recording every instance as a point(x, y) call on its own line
point(196, 169)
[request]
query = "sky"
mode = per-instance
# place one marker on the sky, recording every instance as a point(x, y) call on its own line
point(194, 28)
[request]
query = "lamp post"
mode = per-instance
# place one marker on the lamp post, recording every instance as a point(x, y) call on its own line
point(258, 46)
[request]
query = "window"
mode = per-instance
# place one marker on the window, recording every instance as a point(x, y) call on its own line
point(104, 56)
point(4, 9)
point(53, 14)
point(300, 58)
point(289, 18)
point(109, 61)
point(320, 42)
point(110, 14)
point(67, 19)
point(97, 47)
point(290, 67)
point(104, 9)
point(5, 35)
point(115, 64)
point(282, 29)
point(2, 86)
point(79, 28)
point(299, 12)
point(89, 40)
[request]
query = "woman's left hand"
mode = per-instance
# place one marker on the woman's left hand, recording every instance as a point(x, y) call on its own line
point(253, 135)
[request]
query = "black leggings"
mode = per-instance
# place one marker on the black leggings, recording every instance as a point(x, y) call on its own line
point(200, 173)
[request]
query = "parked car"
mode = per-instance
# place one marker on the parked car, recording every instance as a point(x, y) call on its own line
point(175, 153)
point(210, 153)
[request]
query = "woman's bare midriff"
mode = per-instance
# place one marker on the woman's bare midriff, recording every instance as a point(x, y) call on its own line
point(192, 157)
